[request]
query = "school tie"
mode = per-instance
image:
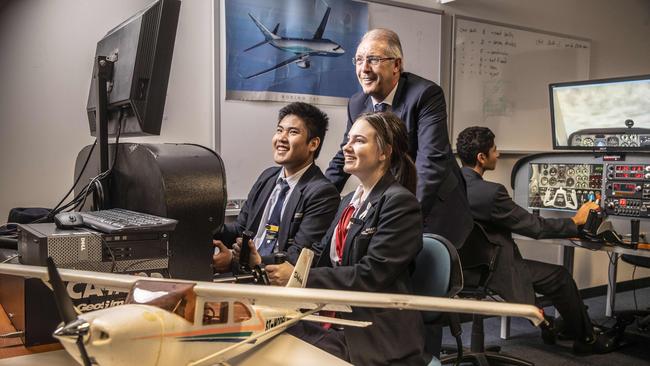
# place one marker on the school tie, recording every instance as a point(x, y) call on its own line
point(342, 231)
point(381, 107)
point(273, 224)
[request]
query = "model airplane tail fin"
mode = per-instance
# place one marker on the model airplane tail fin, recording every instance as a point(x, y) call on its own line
point(301, 270)
point(268, 35)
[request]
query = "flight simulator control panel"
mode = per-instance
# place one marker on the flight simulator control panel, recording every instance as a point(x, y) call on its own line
point(623, 189)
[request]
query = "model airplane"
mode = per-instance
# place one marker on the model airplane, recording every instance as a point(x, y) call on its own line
point(176, 322)
point(302, 48)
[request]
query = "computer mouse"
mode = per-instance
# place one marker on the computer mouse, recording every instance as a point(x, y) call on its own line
point(68, 220)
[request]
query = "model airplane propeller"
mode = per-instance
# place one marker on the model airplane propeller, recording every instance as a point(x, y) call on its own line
point(176, 322)
point(73, 327)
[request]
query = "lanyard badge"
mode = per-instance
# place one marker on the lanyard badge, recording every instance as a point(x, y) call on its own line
point(271, 232)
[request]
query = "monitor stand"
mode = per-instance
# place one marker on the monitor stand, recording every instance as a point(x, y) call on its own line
point(103, 74)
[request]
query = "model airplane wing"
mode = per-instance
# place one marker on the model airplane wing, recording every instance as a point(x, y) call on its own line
point(297, 297)
point(345, 322)
point(112, 281)
point(289, 297)
point(283, 63)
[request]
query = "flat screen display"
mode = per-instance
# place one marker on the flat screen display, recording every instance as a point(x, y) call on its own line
point(607, 114)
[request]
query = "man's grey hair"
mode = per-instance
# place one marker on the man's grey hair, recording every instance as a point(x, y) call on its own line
point(394, 46)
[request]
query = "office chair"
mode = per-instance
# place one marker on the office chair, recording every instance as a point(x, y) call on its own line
point(437, 273)
point(478, 257)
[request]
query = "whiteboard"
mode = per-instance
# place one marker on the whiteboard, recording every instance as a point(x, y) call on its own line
point(245, 128)
point(500, 77)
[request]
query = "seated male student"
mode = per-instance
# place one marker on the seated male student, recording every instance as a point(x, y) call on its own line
point(517, 279)
point(290, 205)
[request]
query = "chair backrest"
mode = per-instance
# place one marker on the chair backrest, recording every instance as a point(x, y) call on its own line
point(636, 260)
point(479, 256)
point(437, 268)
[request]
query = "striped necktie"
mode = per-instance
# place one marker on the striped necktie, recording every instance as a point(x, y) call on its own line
point(273, 225)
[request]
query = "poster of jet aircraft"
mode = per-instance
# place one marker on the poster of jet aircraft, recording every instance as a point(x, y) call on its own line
point(292, 47)
point(302, 48)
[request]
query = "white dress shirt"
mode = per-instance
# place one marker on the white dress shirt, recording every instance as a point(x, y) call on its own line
point(389, 98)
point(358, 200)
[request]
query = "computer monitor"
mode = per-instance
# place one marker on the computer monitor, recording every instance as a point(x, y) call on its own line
point(129, 83)
point(140, 50)
point(602, 115)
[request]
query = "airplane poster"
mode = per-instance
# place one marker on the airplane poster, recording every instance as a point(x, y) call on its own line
point(293, 50)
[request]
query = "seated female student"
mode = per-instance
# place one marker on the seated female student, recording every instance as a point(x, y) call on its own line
point(369, 247)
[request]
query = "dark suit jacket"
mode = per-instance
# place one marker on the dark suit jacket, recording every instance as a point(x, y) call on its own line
point(379, 251)
point(307, 215)
point(492, 207)
point(441, 191)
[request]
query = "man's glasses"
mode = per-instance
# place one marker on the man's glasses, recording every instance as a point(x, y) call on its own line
point(372, 60)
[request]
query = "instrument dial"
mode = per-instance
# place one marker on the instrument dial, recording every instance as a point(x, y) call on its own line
point(612, 141)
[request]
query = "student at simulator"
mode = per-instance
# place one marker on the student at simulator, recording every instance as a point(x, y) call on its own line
point(517, 279)
point(420, 104)
point(290, 205)
point(370, 246)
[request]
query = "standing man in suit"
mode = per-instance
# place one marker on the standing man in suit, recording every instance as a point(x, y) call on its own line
point(420, 103)
point(290, 205)
point(514, 278)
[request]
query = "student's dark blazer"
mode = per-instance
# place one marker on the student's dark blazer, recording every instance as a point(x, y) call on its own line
point(495, 210)
point(379, 251)
point(420, 103)
point(307, 215)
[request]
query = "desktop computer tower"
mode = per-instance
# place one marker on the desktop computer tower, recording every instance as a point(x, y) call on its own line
point(89, 250)
point(30, 303)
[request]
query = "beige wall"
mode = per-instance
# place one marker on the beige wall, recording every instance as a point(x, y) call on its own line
point(46, 61)
point(46, 58)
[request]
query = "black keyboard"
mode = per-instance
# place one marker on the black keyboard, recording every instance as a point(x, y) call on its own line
point(118, 220)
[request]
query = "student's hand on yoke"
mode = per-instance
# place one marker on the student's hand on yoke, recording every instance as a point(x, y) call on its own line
point(581, 216)
point(222, 260)
point(279, 274)
point(254, 258)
